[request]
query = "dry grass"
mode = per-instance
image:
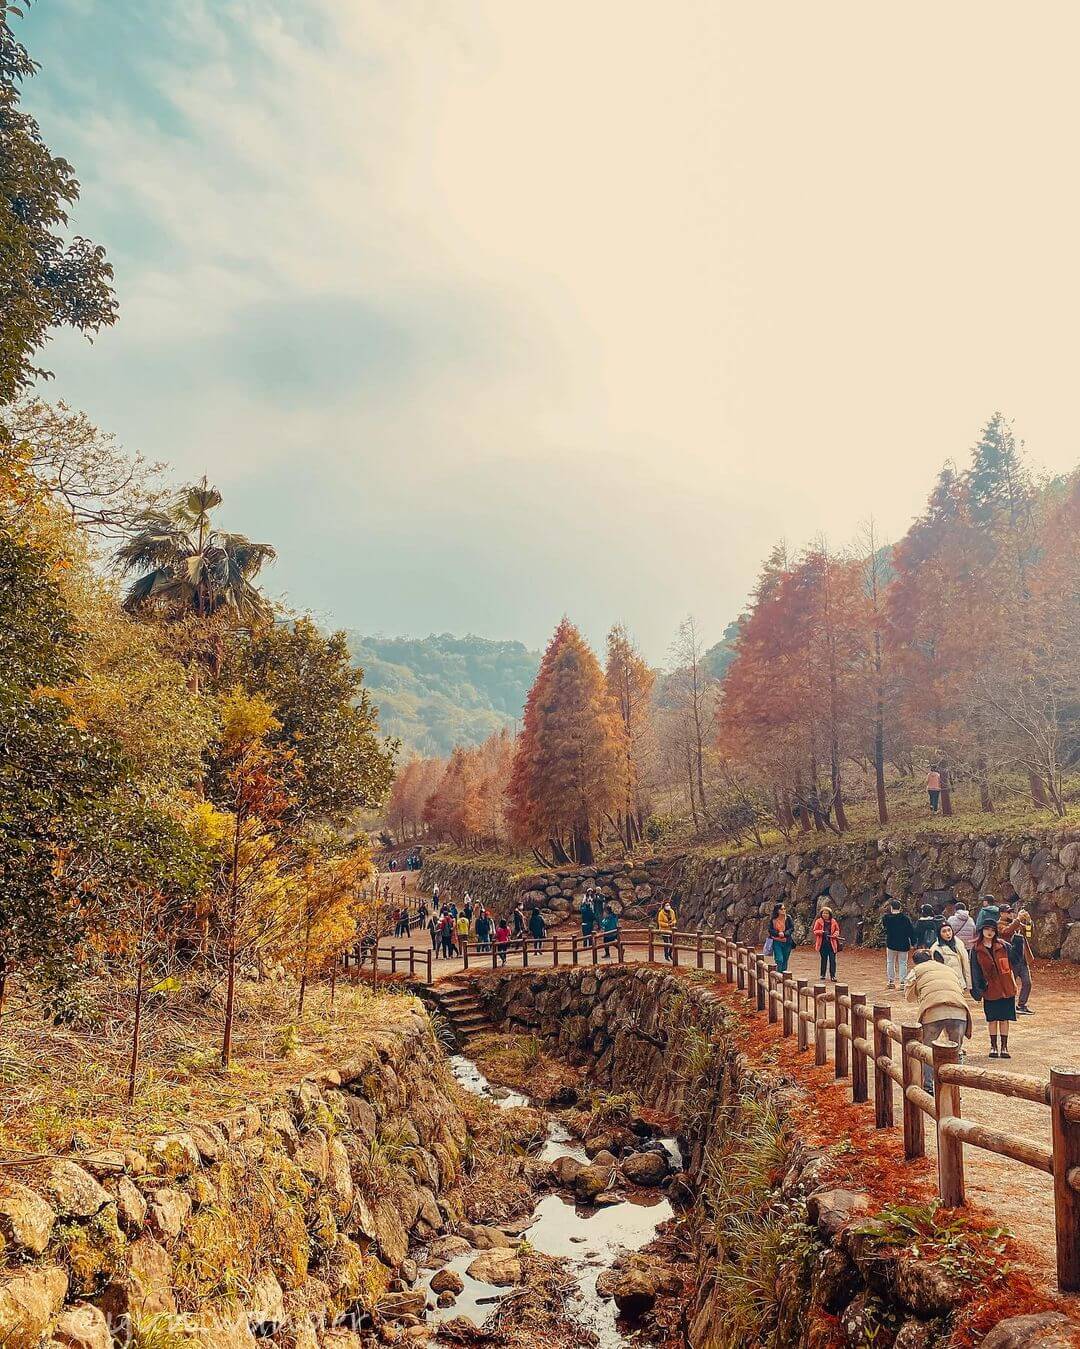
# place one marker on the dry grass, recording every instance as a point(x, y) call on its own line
point(56, 1081)
point(520, 1061)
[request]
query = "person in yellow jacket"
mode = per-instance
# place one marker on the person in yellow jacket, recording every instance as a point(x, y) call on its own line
point(464, 927)
point(665, 921)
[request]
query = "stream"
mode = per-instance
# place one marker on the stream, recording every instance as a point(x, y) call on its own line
point(588, 1240)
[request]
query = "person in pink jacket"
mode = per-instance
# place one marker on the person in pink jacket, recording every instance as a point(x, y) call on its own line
point(827, 941)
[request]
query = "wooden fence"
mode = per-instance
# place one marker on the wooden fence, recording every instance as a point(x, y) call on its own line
point(842, 1028)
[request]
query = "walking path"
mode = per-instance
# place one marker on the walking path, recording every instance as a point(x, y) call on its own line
point(1018, 1196)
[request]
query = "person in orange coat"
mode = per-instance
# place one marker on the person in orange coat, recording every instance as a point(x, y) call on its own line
point(827, 941)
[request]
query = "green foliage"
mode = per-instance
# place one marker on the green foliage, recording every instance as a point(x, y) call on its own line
point(45, 280)
point(440, 691)
point(325, 714)
point(963, 1249)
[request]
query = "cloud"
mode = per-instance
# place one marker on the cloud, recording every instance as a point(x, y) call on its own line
point(563, 306)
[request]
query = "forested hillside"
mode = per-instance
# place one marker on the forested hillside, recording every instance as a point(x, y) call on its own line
point(440, 691)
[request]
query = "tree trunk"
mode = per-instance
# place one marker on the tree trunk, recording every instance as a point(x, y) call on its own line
point(837, 791)
point(946, 792)
point(986, 802)
point(230, 1000)
point(133, 1066)
point(583, 844)
point(1038, 791)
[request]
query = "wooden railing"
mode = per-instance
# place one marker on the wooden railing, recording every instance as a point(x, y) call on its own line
point(864, 1035)
point(858, 1035)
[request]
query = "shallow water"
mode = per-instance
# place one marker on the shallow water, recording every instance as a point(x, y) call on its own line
point(588, 1240)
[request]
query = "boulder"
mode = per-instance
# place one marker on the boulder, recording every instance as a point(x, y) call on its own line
point(446, 1299)
point(208, 1139)
point(130, 1206)
point(499, 1266)
point(339, 1179)
point(634, 1292)
point(565, 1170)
point(1070, 947)
point(645, 1168)
point(1043, 1330)
point(1049, 931)
point(150, 1273)
point(74, 1192)
point(177, 1154)
point(168, 1211)
point(591, 1181)
point(604, 1158)
point(446, 1248)
point(29, 1300)
point(447, 1281)
point(926, 1289)
point(484, 1238)
point(82, 1327)
point(26, 1220)
point(313, 1155)
point(832, 1210)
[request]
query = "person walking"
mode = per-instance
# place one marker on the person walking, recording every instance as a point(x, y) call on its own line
point(449, 937)
point(950, 951)
point(899, 939)
point(433, 932)
point(518, 920)
point(609, 926)
point(926, 927)
point(484, 928)
point(826, 942)
point(963, 926)
point(781, 937)
point(538, 928)
point(994, 985)
point(1019, 954)
point(933, 788)
point(937, 990)
point(588, 919)
point(665, 921)
point(462, 928)
point(467, 907)
point(502, 940)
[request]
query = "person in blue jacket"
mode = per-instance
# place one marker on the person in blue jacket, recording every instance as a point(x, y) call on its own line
point(609, 926)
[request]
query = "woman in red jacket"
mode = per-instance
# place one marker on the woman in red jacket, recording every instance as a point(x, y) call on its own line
point(827, 941)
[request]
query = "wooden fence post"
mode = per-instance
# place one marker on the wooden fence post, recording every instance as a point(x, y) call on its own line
point(821, 1044)
point(729, 965)
point(787, 987)
point(412, 962)
point(525, 940)
point(770, 984)
point(950, 1151)
point(859, 1090)
point(554, 950)
point(883, 1083)
point(759, 982)
point(841, 1044)
point(674, 950)
point(1065, 1126)
point(393, 960)
point(465, 952)
point(700, 950)
point(914, 1133)
point(716, 953)
point(573, 951)
point(596, 948)
point(800, 1009)
point(652, 947)
point(429, 954)
point(740, 972)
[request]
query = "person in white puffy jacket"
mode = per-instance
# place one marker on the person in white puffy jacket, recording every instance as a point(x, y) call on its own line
point(952, 952)
point(963, 927)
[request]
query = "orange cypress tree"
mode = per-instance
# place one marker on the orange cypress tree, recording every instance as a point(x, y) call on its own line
point(567, 771)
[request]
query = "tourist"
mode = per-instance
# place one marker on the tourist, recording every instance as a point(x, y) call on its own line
point(1019, 954)
point(899, 939)
point(963, 926)
point(518, 920)
point(937, 990)
point(484, 927)
point(433, 932)
point(665, 921)
point(781, 939)
point(994, 985)
point(609, 926)
point(950, 951)
point(462, 927)
point(933, 788)
point(467, 907)
point(538, 928)
point(826, 942)
point(926, 927)
point(502, 940)
point(446, 927)
point(435, 894)
point(588, 918)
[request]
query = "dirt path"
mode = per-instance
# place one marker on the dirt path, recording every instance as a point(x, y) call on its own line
point(1019, 1196)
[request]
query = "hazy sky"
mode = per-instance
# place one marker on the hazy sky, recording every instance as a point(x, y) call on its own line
point(487, 310)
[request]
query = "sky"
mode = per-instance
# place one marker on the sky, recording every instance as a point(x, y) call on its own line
point(486, 311)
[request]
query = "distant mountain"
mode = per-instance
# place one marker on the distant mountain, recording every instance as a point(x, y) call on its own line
point(440, 691)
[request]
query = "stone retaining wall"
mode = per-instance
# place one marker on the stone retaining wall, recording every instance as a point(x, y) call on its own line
point(733, 895)
point(290, 1217)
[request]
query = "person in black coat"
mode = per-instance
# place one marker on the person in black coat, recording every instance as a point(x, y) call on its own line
point(899, 939)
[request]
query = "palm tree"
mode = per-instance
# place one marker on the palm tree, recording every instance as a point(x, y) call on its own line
point(191, 568)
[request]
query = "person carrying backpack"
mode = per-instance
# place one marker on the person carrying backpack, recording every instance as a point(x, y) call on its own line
point(899, 939)
point(588, 919)
point(926, 928)
point(609, 926)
